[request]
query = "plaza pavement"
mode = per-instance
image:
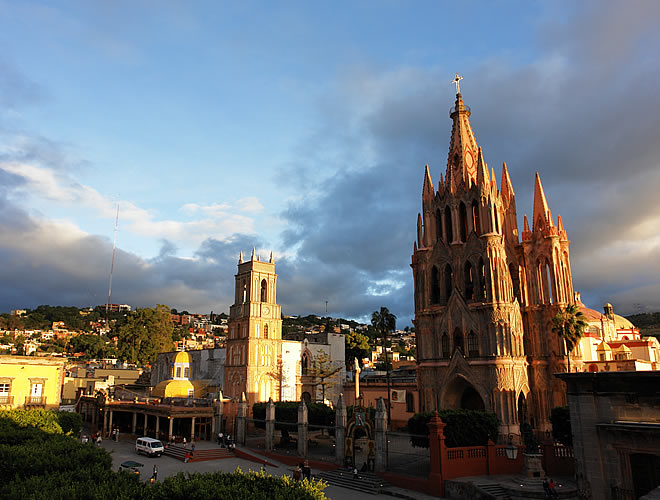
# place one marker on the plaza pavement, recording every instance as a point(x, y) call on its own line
point(168, 466)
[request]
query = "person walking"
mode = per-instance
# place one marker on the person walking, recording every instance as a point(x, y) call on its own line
point(546, 487)
point(297, 473)
point(220, 439)
point(155, 473)
point(307, 471)
point(99, 439)
point(551, 487)
point(192, 449)
point(355, 473)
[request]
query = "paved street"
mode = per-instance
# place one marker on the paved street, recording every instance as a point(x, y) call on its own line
point(167, 466)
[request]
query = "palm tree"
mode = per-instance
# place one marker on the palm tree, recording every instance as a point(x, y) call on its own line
point(569, 325)
point(385, 322)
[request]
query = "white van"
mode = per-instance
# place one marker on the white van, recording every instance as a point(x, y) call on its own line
point(149, 446)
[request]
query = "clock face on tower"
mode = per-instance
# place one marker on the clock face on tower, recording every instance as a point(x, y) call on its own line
point(266, 310)
point(470, 165)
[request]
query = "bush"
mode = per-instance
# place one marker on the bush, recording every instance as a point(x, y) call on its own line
point(560, 418)
point(37, 460)
point(462, 428)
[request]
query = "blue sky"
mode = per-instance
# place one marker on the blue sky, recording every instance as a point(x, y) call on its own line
point(304, 128)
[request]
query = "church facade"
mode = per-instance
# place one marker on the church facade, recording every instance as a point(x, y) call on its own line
point(485, 294)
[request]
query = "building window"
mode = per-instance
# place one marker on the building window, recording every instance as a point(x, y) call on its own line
point(264, 291)
point(4, 393)
point(178, 372)
point(462, 215)
point(469, 282)
point(186, 372)
point(448, 226)
point(476, 223)
point(458, 339)
point(473, 345)
point(435, 286)
point(438, 225)
point(265, 331)
point(445, 346)
point(410, 403)
point(448, 282)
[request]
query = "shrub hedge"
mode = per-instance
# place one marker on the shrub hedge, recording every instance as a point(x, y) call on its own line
point(463, 428)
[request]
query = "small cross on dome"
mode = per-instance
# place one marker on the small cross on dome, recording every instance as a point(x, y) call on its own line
point(456, 81)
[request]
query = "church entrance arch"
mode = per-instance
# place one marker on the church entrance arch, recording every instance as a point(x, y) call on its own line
point(359, 445)
point(460, 393)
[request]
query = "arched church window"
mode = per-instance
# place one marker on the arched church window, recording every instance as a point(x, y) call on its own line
point(497, 220)
point(186, 372)
point(438, 225)
point(469, 281)
point(264, 291)
point(462, 215)
point(515, 281)
point(178, 372)
point(304, 364)
point(476, 223)
point(265, 331)
point(420, 290)
point(445, 345)
point(244, 292)
point(458, 339)
point(482, 280)
point(549, 290)
point(473, 345)
point(435, 286)
point(448, 281)
point(448, 225)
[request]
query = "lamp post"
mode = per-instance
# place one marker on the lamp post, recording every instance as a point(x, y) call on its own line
point(511, 449)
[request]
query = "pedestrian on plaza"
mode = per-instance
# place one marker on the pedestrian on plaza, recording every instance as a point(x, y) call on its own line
point(220, 439)
point(155, 474)
point(307, 471)
point(355, 473)
point(192, 449)
point(546, 487)
point(84, 439)
point(99, 439)
point(551, 487)
point(185, 442)
point(297, 473)
point(187, 459)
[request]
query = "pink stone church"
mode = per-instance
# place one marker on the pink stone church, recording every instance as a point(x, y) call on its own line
point(485, 294)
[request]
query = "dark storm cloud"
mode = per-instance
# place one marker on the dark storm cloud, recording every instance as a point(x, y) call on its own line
point(585, 114)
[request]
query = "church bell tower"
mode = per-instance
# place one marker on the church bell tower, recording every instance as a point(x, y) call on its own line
point(254, 339)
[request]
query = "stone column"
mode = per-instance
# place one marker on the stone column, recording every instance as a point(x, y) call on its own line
point(381, 436)
point(340, 430)
point(436, 449)
point(169, 434)
point(134, 424)
point(110, 423)
point(104, 430)
point(302, 429)
point(192, 429)
point(145, 424)
point(219, 413)
point(157, 426)
point(270, 424)
point(241, 420)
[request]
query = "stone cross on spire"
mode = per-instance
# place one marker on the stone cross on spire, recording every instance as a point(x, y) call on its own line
point(456, 81)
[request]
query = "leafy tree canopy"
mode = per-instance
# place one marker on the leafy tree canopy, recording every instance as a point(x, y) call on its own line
point(144, 333)
point(463, 427)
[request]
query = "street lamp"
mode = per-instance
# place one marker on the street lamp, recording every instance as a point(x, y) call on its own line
point(511, 449)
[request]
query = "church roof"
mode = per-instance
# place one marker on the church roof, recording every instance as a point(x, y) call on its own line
point(182, 357)
point(603, 346)
point(173, 389)
point(622, 323)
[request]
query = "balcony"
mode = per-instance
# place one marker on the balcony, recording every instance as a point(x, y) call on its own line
point(35, 401)
point(6, 399)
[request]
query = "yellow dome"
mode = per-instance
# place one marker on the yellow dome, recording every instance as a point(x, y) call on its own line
point(173, 389)
point(621, 323)
point(603, 346)
point(182, 357)
point(623, 348)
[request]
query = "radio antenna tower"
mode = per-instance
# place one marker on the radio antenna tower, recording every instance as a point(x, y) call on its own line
point(112, 266)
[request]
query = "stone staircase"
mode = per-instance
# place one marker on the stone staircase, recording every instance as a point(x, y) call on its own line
point(367, 482)
point(494, 490)
point(179, 452)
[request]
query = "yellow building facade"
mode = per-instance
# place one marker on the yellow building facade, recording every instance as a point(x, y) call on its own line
point(27, 382)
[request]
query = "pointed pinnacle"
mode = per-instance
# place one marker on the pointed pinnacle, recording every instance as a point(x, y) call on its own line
point(507, 187)
point(271, 258)
point(240, 257)
point(253, 253)
point(540, 205)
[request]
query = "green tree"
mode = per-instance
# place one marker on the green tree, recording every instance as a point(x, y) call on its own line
point(145, 333)
point(384, 322)
point(357, 346)
point(569, 325)
point(93, 346)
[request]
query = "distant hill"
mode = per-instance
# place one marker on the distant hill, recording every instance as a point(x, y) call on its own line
point(648, 323)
